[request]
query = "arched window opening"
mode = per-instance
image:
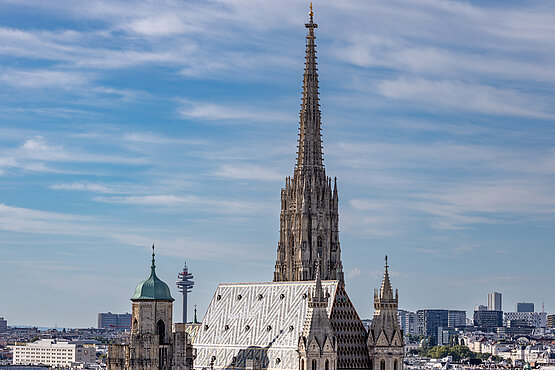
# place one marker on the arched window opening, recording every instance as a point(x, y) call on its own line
point(161, 329)
point(395, 365)
point(327, 364)
point(382, 365)
point(302, 364)
point(313, 364)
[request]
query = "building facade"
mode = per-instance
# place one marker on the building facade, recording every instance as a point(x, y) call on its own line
point(386, 346)
point(524, 307)
point(430, 320)
point(53, 353)
point(108, 320)
point(550, 321)
point(408, 321)
point(3, 325)
point(488, 320)
point(153, 345)
point(494, 302)
point(456, 318)
point(535, 319)
point(309, 217)
point(444, 336)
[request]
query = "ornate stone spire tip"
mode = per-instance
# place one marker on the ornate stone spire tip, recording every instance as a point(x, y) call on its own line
point(311, 12)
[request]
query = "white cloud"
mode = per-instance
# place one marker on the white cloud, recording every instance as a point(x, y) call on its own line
point(41, 78)
point(17, 219)
point(464, 97)
point(224, 206)
point(249, 172)
point(218, 112)
point(354, 273)
point(162, 25)
point(35, 151)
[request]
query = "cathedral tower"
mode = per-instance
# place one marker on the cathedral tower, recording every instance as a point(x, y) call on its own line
point(385, 338)
point(309, 218)
point(153, 345)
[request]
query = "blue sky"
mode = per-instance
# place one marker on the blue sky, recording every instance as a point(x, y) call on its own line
point(175, 122)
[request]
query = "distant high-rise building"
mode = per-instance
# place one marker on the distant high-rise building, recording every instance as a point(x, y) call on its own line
point(535, 319)
point(430, 320)
point(3, 325)
point(456, 318)
point(494, 302)
point(108, 320)
point(550, 321)
point(408, 321)
point(488, 320)
point(481, 307)
point(524, 307)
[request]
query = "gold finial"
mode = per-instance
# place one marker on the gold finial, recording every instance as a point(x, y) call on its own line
point(311, 12)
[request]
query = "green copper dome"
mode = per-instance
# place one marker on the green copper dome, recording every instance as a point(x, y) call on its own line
point(152, 288)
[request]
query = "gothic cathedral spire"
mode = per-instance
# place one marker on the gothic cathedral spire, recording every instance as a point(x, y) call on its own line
point(309, 155)
point(309, 218)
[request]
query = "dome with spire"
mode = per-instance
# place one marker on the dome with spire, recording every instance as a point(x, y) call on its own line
point(152, 288)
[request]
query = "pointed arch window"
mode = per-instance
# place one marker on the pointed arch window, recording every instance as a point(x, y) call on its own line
point(382, 365)
point(313, 364)
point(395, 365)
point(161, 330)
point(327, 364)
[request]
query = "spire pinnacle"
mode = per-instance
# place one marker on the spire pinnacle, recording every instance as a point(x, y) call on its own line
point(310, 140)
point(153, 265)
point(318, 298)
point(386, 292)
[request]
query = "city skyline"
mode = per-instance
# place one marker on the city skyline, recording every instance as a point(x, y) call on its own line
point(175, 124)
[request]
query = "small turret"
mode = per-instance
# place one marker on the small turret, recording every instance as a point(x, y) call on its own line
point(317, 345)
point(385, 338)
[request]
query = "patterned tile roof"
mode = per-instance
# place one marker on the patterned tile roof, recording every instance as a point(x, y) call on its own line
point(263, 322)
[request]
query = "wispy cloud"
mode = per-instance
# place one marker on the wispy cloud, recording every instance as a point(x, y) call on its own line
point(169, 200)
point(249, 172)
point(465, 97)
point(217, 112)
point(36, 151)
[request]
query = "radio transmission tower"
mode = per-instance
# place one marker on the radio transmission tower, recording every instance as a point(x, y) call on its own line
point(185, 285)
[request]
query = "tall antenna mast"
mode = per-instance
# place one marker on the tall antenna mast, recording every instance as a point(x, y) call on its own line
point(185, 285)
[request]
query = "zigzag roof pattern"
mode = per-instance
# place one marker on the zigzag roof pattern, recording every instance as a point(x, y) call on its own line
point(263, 322)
